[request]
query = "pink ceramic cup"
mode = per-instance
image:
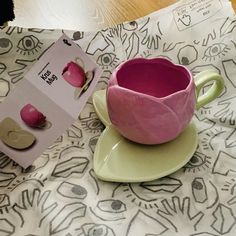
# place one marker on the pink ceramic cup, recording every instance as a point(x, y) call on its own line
point(151, 101)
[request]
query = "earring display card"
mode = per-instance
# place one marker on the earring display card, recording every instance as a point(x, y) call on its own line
point(54, 94)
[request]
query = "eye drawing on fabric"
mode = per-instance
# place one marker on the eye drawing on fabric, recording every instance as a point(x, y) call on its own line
point(198, 162)
point(73, 191)
point(109, 210)
point(90, 229)
point(142, 194)
point(132, 25)
point(5, 45)
point(209, 140)
point(107, 59)
point(28, 45)
point(217, 50)
point(92, 123)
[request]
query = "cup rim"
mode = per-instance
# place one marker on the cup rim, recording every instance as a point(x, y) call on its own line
point(165, 61)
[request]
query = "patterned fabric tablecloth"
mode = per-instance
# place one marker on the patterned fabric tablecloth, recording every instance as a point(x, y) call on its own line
point(60, 194)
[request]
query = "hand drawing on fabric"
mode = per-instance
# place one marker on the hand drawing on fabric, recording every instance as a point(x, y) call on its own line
point(36, 179)
point(4, 160)
point(4, 88)
point(90, 229)
point(170, 47)
point(151, 40)
point(107, 60)
point(138, 225)
point(70, 163)
point(227, 114)
point(199, 162)
point(2, 67)
point(230, 141)
point(209, 140)
point(18, 74)
point(177, 212)
point(225, 219)
point(132, 49)
point(187, 55)
point(227, 27)
point(28, 45)
point(210, 36)
point(31, 204)
point(73, 191)
point(109, 210)
point(215, 51)
point(12, 29)
point(5, 45)
point(224, 164)
point(37, 201)
point(185, 20)
point(7, 228)
point(229, 67)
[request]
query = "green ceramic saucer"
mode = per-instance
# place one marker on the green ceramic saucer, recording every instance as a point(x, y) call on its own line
point(120, 160)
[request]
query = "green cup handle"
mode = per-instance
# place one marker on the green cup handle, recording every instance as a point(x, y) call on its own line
point(213, 92)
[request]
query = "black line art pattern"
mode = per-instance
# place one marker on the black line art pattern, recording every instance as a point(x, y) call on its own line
point(229, 67)
point(18, 74)
point(215, 51)
point(229, 162)
point(70, 162)
point(180, 208)
point(187, 55)
point(224, 219)
point(199, 162)
point(157, 228)
point(185, 20)
point(210, 36)
point(4, 88)
point(95, 229)
point(2, 68)
point(227, 27)
point(230, 141)
point(70, 190)
point(109, 210)
point(227, 112)
point(5, 45)
point(29, 45)
point(60, 194)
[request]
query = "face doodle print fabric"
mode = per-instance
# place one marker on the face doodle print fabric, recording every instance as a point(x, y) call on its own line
point(60, 194)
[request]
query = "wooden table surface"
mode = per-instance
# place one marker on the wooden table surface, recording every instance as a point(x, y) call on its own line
point(84, 15)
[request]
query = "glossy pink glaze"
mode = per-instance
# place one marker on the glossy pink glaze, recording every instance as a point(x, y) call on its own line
point(151, 101)
point(74, 74)
point(31, 116)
